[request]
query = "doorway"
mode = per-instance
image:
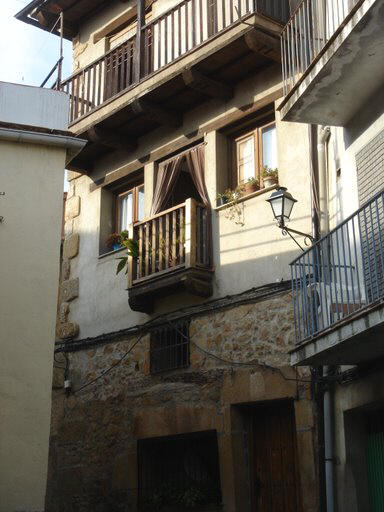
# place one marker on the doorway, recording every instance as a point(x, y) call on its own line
point(274, 475)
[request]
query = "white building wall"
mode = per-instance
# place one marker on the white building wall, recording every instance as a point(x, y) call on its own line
point(31, 176)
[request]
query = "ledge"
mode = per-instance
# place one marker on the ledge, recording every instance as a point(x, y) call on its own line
point(109, 253)
point(245, 198)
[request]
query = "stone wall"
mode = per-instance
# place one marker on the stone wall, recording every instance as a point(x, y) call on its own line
point(93, 458)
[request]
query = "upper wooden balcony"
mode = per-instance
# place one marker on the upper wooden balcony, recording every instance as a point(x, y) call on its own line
point(175, 254)
point(332, 56)
point(195, 51)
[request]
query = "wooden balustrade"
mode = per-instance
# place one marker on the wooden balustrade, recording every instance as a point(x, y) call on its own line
point(174, 239)
point(165, 39)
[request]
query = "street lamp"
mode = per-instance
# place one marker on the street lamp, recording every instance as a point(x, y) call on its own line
point(282, 202)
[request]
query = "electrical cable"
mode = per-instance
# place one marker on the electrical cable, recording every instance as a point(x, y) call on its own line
point(234, 363)
point(102, 374)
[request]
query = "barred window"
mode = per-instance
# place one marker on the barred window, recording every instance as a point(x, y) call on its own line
point(179, 472)
point(170, 347)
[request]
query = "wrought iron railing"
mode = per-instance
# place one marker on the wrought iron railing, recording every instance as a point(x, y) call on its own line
point(172, 35)
point(174, 239)
point(313, 24)
point(342, 273)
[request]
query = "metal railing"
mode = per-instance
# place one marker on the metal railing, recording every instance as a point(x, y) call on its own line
point(174, 239)
point(310, 28)
point(342, 273)
point(170, 36)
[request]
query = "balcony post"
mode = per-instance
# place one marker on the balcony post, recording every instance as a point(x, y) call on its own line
point(190, 233)
point(139, 38)
point(130, 266)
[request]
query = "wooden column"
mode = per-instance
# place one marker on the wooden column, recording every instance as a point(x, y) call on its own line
point(149, 187)
point(139, 38)
point(131, 263)
point(190, 233)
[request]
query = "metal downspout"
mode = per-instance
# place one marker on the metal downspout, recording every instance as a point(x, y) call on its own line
point(329, 423)
point(328, 398)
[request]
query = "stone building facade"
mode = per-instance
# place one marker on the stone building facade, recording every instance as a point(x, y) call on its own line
point(179, 394)
point(238, 364)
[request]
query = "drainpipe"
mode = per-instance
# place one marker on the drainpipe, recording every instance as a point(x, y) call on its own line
point(324, 133)
point(329, 440)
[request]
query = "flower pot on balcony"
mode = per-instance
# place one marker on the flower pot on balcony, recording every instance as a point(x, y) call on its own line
point(270, 181)
point(250, 187)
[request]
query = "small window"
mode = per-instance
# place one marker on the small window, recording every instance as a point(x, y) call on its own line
point(179, 472)
point(253, 151)
point(170, 348)
point(129, 207)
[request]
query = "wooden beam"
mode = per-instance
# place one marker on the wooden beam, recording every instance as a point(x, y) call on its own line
point(156, 113)
point(201, 83)
point(139, 38)
point(111, 139)
point(264, 44)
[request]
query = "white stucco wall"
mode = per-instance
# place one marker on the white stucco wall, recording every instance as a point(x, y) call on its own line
point(245, 256)
point(31, 175)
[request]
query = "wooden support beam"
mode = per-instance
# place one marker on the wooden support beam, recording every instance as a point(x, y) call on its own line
point(156, 113)
point(207, 86)
point(139, 38)
point(264, 44)
point(111, 139)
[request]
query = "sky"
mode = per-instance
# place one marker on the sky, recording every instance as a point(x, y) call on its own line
point(27, 54)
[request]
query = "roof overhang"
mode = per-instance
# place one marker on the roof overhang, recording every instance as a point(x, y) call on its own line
point(44, 14)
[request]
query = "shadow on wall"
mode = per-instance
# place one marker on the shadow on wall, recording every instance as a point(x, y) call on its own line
point(371, 112)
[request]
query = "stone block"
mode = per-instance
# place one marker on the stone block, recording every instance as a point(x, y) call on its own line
point(69, 290)
point(72, 207)
point(72, 175)
point(71, 246)
point(63, 312)
point(68, 330)
point(68, 228)
point(65, 270)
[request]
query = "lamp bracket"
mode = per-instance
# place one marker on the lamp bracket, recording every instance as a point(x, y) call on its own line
point(287, 231)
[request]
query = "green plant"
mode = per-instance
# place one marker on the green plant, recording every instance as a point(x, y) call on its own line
point(252, 181)
point(132, 247)
point(267, 172)
point(235, 210)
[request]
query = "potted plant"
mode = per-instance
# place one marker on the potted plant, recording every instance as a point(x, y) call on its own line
point(270, 176)
point(250, 186)
point(224, 198)
point(113, 242)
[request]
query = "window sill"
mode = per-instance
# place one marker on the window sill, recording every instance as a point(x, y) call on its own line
point(109, 253)
point(245, 198)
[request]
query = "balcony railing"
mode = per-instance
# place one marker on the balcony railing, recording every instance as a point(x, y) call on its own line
point(172, 240)
point(342, 274)
point(164, 40)
point(311, 27)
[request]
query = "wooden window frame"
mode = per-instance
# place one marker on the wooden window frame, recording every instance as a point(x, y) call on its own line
point(258, 152)
point(135, 205)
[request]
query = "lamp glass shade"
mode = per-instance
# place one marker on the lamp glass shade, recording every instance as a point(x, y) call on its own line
point(281, 202)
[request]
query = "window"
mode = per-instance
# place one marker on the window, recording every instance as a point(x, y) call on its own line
point(253, 151)
point(179, 472)
point(170, 348)
point(129, 207)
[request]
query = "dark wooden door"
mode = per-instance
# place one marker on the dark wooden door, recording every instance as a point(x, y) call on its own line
point(273, 445)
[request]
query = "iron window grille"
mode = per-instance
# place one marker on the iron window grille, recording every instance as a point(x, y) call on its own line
point(170, 348)
point(179, 472)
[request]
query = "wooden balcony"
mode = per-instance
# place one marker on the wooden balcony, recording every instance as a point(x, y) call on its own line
point(174, 255)
point(195, 51)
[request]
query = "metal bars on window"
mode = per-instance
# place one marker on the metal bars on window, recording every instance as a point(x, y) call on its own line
point(342, 273)
point(170, 347)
